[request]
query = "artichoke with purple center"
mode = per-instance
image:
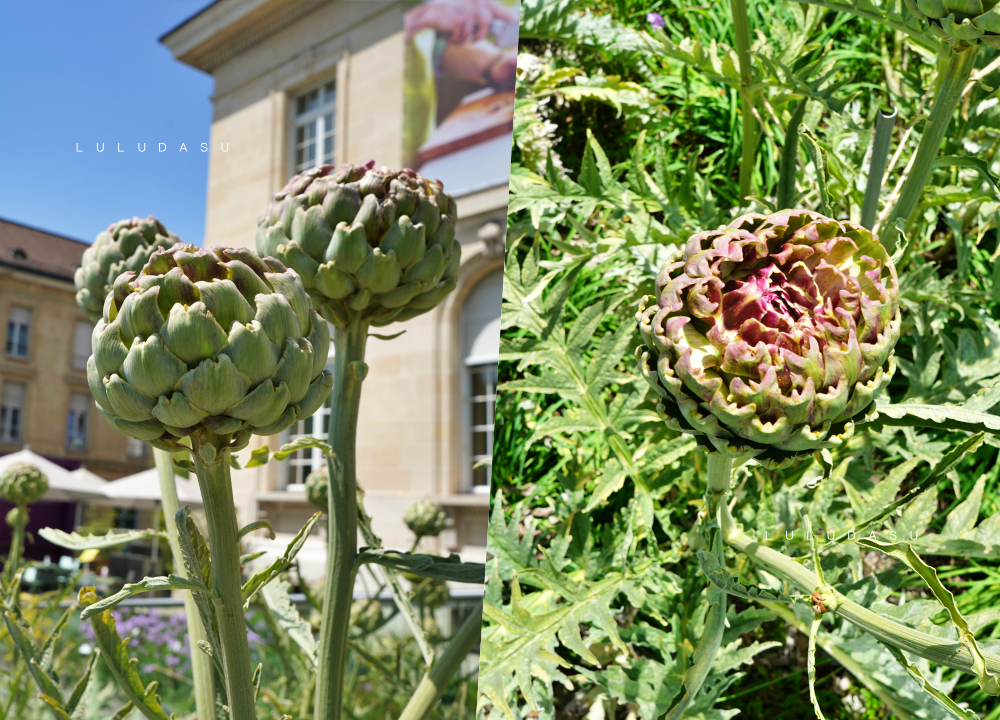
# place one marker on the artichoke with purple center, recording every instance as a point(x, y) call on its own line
point(370, 244)
point(125, 245)
point(224, 340)
point(961, 22)
point(771, 337)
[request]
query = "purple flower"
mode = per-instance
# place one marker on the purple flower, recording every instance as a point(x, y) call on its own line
point(656, 20)
point(173, 661)
point(147, 669)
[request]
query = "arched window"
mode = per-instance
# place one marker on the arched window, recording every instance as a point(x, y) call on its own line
point(480, 354)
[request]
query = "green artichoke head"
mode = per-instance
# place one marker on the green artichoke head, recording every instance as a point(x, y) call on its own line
point(425, 518)
point(371, 244)
point(961, 22)
point(317, 487)
point(771, 337)
point(23, 484)
point(125, 245)
point(223, 340)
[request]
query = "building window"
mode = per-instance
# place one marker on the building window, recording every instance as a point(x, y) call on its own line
point(135, 449)
point(18, 325)
point(11, 412)
point(76, 422)
point(298, 466)
point(81, 344)
point(480, 353)
point(314, 127)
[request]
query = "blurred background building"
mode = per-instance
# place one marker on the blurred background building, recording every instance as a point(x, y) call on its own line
point(299, 84)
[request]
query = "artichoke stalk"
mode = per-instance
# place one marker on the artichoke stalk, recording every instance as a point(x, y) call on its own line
point(21, 484)
point(372, 246)
point(771, 337)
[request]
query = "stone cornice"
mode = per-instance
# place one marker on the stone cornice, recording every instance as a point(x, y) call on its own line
point(227, 28)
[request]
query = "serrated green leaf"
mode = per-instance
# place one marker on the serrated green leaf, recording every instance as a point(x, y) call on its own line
point(149, 584)
point(114, 538)
point(431, 566)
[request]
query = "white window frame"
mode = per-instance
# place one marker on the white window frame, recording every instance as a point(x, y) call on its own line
point(21, 328)
point(77, 422)
point(82, 332)
point(11, 424)
point(469, 429)
point(324, 115)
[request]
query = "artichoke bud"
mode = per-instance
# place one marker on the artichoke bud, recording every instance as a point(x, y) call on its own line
point(425, 518)
point(385, 227)
point(246, 280)
point(290, 286)
point(387, 214)
point(317, 488)
point(361, 300)
point(367, 216)
point(960, 22)
point(23, 484)
point(341, 204)
point(224, 301)
point(407, 240)
point(295, 258)
point(310, 231)
point(333, 282)
point(349, 247)
point(445, 235)
point(380, 272)
point(752, 341)
point(429, 268)
point(139, 315)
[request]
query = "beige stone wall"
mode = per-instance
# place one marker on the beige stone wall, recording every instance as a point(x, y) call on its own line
point(50, 378)
point(410, 433)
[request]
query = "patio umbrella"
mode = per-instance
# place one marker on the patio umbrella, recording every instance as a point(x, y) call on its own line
point(142, 490)
point(64, 486)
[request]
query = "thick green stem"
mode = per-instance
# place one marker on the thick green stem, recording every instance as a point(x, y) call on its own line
point(349, 372)
point(939, 650)
point(741, 26)
point(16, 546)
point(211, 460)
point(960, 66)
point(425, 698)
point(201, 665)
point(720, 472)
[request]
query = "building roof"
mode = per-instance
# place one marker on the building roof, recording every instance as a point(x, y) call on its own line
point(37, 251)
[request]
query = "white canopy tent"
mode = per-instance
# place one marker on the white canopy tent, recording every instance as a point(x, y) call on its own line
point(64, 486)
point(142, 490)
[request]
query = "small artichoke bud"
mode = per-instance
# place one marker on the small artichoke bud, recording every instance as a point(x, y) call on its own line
point(13, 515)
point(221, 340)
point(318, 487)
point(771, 337)
point(125, 245)
point(23, 484)
point(365, 241)
point(425, 518)
point(961, 22)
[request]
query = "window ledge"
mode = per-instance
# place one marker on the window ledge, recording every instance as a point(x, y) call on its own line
point(18, 358)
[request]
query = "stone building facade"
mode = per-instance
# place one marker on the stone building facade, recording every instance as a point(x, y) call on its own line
point(331, 73)
point(45, 403)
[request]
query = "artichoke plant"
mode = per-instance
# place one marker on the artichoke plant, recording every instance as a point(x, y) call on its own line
point(317, 487)
point(425, 518)
point(23, 484)
point(125, 245)
point(221, 340)
point(371, 243)
point(771, 337)
point(961, 22)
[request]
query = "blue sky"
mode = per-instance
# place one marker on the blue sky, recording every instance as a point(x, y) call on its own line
point(94, 72)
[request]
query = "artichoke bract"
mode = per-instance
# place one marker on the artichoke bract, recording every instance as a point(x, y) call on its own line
point(223, 340)
point(771, 337)
point(23, 484)
point(318, 488)
point(125, 245)
point(961, 22)
point(369, 243)
point(425, 518)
